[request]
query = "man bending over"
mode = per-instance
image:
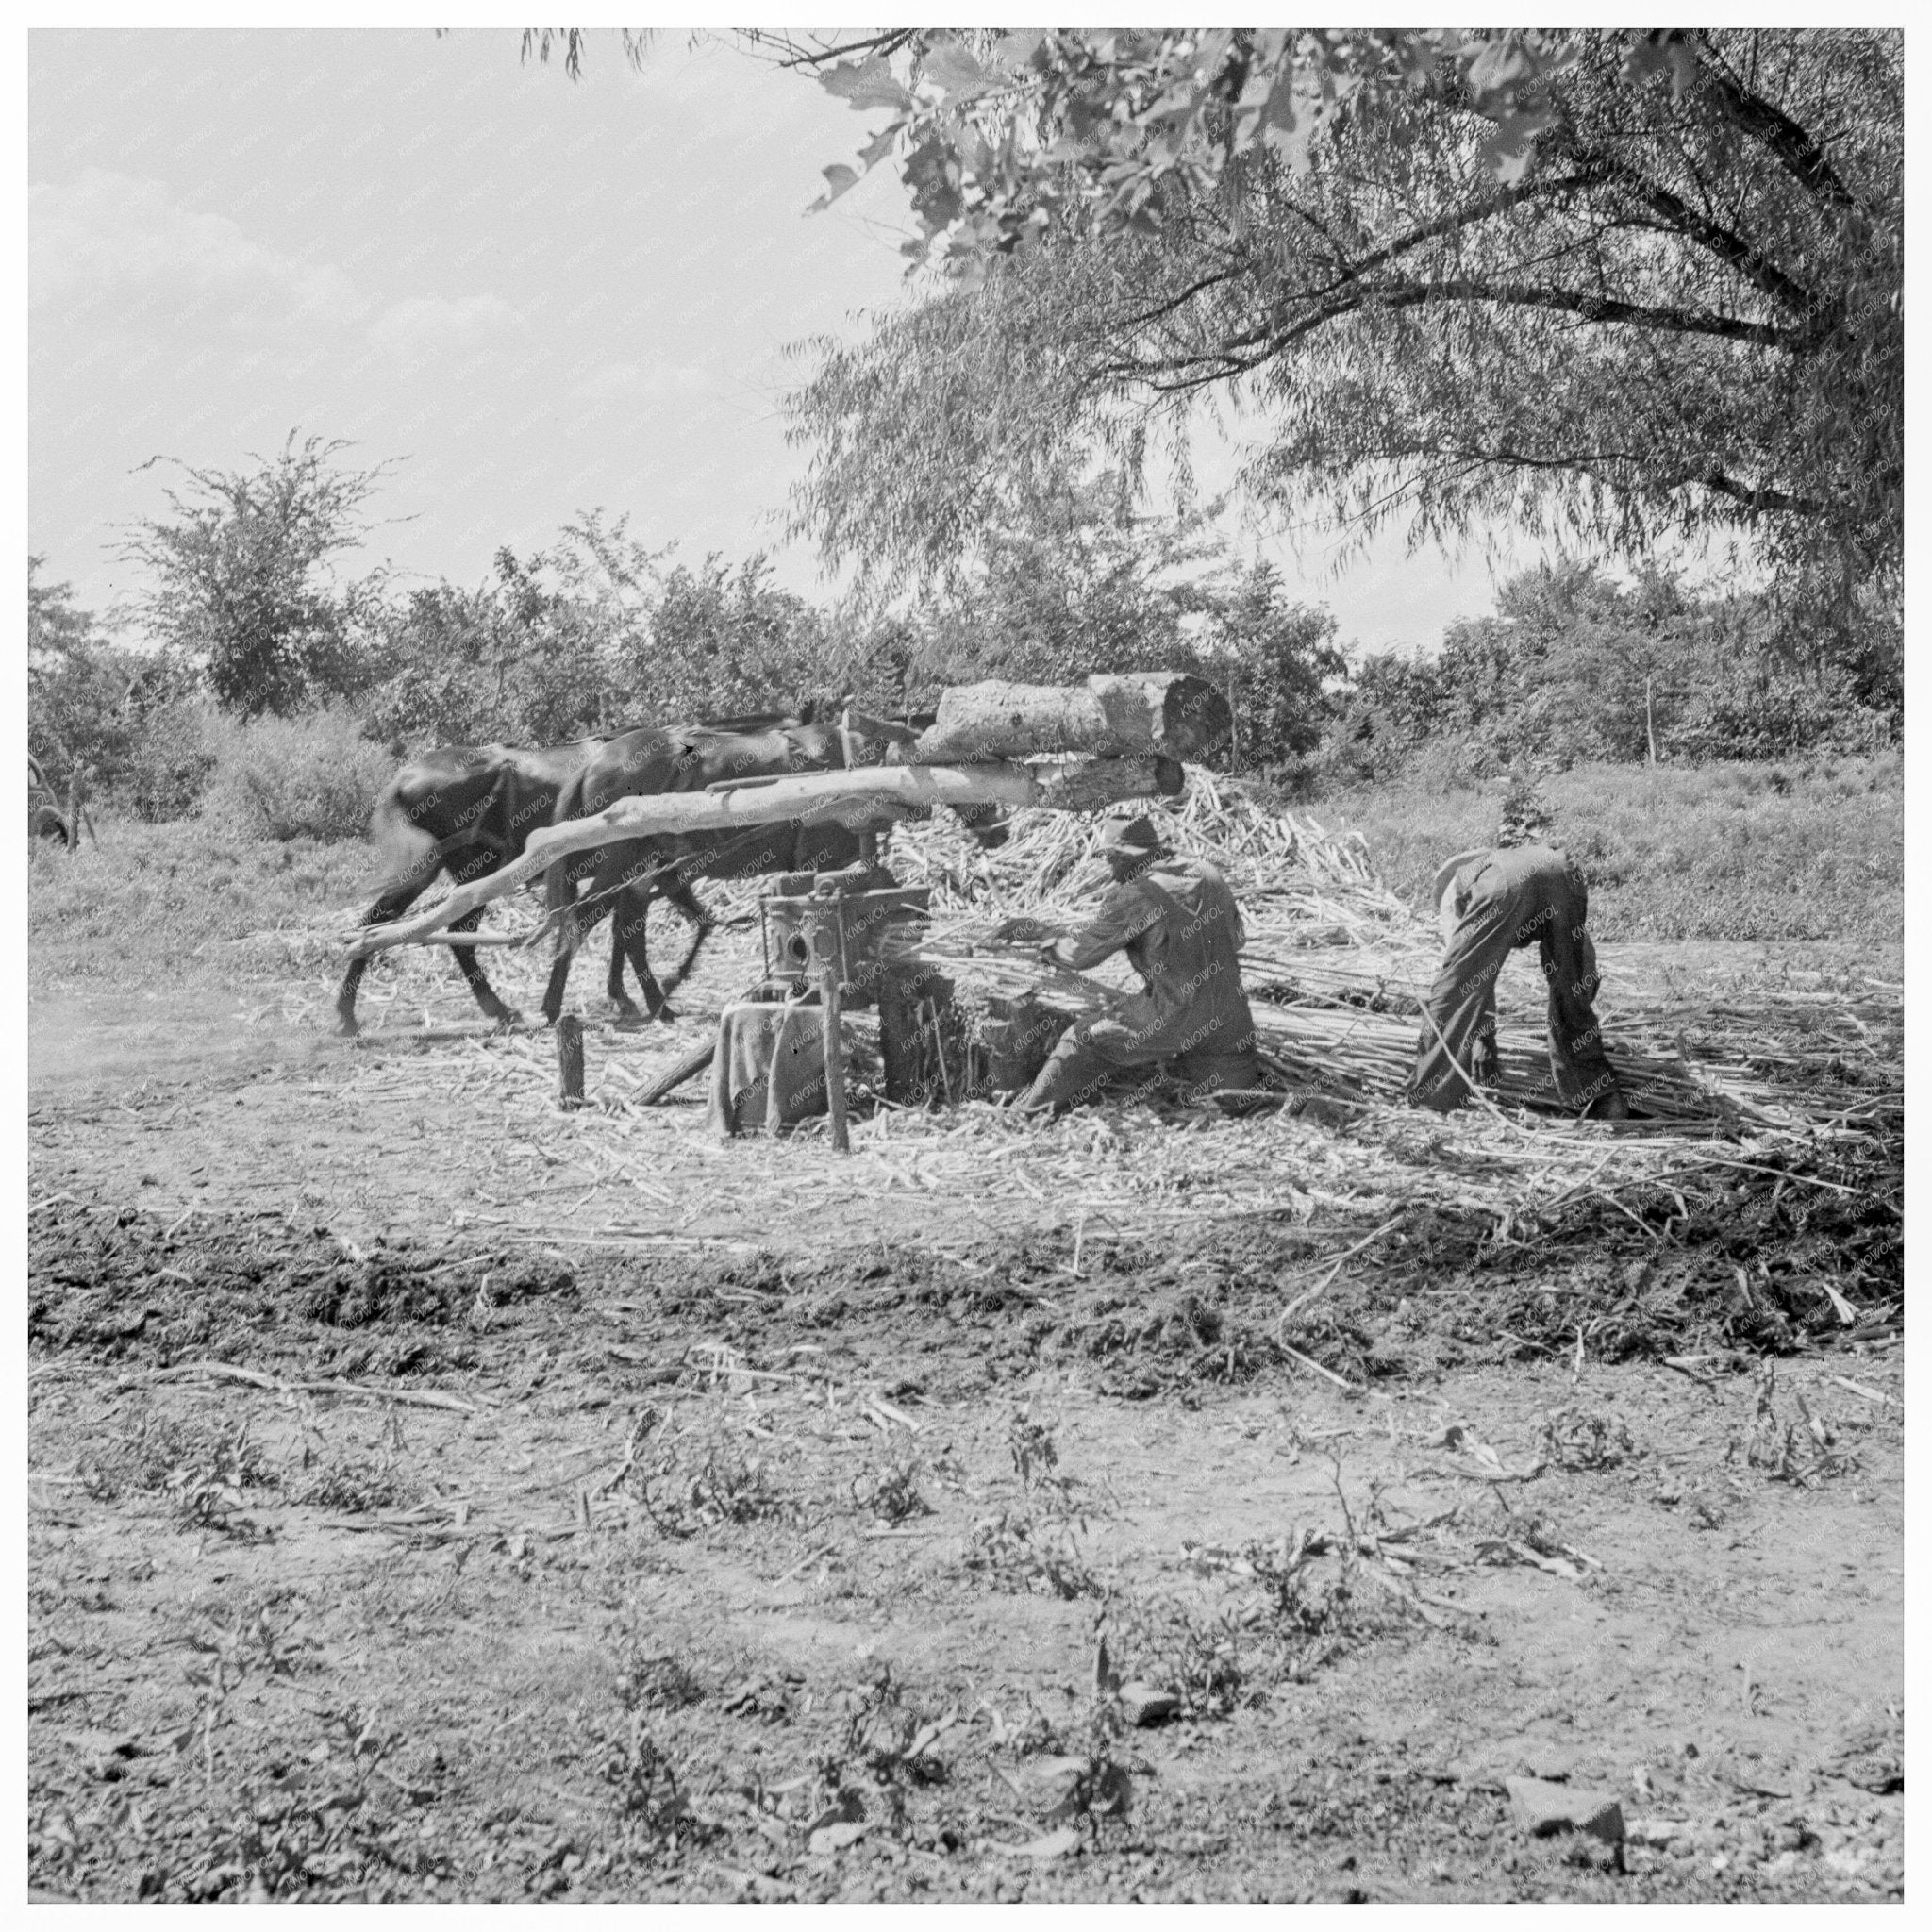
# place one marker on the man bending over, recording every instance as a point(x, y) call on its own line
point(1490, 903)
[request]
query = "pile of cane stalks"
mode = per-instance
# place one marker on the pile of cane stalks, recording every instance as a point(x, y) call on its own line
point(1770, 1127)
point(1337, 966)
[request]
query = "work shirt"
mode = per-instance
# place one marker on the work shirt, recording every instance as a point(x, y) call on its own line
point(1182, 933)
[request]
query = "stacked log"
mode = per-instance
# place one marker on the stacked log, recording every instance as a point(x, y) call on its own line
point(1169, 714)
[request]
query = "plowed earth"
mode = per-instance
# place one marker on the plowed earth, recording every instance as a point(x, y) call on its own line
point(389, 1542)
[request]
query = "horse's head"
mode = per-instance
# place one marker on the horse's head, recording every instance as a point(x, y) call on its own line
point(871, 740)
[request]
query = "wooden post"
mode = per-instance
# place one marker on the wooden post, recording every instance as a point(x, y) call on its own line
point(1649, 719)
point(835, 1059)
point(570, 1061)
point(75, 793)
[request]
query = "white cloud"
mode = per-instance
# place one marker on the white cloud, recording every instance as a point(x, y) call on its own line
point(425, 327)
point(106, 238)
point(620, 382)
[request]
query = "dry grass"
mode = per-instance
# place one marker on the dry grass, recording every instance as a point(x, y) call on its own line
point(1808, 848)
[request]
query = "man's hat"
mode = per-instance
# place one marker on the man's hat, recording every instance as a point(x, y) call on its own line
point(1449, 868)
point(1132, 835)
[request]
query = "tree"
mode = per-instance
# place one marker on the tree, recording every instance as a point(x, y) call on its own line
point(1575, 665)
point(75, 684)
point(1072, 583)
point(723, 644)
point(1278, 660)
point(1603, 286)
point(239, 582)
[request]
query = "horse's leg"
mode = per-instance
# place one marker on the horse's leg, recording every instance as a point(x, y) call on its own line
point(613, 986)
point(628, 926)
point(480, 865)
point(394, 901)
point(495, 1008)
point(677, 892)
point(577, 925)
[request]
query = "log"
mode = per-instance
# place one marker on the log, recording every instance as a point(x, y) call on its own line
point(1169, 712)
point(693, 1064)
point(877, 795)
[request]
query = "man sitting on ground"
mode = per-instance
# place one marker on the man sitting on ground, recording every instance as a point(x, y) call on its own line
point(1490, 903)
point(1180, 928)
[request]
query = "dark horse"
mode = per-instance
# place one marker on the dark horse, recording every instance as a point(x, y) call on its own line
point(626, 875)
point(467, 809)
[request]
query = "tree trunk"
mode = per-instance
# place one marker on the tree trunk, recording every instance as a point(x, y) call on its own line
point(1174, 713)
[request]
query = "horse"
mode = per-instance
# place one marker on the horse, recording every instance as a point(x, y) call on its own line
point(626, 875)
point(467, 809)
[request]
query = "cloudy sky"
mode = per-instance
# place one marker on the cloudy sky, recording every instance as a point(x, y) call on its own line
point(546, 296)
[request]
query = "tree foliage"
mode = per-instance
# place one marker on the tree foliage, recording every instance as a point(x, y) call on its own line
point(77, 680)
point(1573, 666)
point(594, 633)
point(238, 579)
point(1602, 286)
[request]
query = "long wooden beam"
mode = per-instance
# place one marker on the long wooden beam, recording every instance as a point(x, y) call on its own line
point(861, 800)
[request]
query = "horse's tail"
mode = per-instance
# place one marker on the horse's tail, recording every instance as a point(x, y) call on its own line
point(409, 853)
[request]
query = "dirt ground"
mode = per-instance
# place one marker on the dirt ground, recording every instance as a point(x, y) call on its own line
point(437, 1495)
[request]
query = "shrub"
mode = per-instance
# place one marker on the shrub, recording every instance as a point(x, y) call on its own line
point(314, 776)
point(1777, 716)
point(168, 760)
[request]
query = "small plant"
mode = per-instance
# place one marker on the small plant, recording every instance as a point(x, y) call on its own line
point(1803, 1451)
point(1297, 1607)
point(889, 1736)
point(1077, 1774)
point(205, 1488)
point(315, 1824)
point(657, 1682)
point(353, 1484)
point(1021, 1555)
point(889, 1492)
point(159, 1447)
point(1030, 1443)
point(650, 1801)
point(699, 1482)
point(233, 1645)
point(1203, 1657)
point(1579, 1436)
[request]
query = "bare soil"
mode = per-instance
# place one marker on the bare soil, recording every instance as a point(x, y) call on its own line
point(437, 1495)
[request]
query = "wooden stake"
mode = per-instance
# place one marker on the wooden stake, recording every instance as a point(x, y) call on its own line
point(835, 1059)
point(570, 1061)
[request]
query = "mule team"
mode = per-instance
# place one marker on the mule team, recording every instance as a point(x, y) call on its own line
point(469, 809)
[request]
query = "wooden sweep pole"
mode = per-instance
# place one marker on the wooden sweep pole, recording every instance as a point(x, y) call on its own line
point(875, 796)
